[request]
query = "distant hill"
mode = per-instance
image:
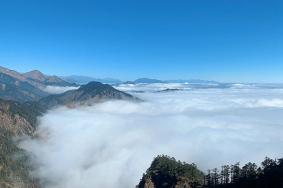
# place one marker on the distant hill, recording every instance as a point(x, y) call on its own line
point(85, 79)
point(87, 94)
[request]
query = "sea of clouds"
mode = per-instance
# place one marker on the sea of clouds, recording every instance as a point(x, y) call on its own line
point(113, 143)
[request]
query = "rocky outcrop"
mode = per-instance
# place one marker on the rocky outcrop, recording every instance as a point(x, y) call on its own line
point(15, 124)
point(149, 183)
point(18, 118)
point(183, 182)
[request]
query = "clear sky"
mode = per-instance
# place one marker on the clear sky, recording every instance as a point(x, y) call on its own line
point(224, 40)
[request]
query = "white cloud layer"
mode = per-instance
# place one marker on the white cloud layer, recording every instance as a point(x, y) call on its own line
point(111, 144)
point(58, 89)
point(152, 87)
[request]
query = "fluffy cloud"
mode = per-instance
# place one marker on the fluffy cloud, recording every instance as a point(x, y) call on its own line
point(58, 89)
point(111, 144)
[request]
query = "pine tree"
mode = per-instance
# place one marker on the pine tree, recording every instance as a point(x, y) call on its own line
point(235, 172)
point(215, 176)
point(208, 179)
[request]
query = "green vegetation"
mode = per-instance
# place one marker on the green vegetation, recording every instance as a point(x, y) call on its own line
point(167, 172)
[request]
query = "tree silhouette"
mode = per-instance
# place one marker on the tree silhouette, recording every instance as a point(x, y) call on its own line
point(268, 175)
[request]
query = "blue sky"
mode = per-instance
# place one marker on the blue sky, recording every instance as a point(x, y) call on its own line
point(224, 40)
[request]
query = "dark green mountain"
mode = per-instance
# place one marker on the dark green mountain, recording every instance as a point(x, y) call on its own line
point(88, 94)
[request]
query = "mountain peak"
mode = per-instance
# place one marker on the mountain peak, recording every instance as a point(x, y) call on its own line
point(88, 94)
point(95, 86)
point(35, 74)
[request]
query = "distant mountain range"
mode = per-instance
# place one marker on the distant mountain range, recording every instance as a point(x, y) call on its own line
point(31, 86)
point(152, 81)
point(85, 79)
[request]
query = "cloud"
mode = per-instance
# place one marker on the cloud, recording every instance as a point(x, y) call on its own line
point(111, 144)
point(152, 87)
point(58, 89)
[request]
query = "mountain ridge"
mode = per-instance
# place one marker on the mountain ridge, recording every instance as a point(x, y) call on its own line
point(18, 90)
point(37, 76)
point(28, 86)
